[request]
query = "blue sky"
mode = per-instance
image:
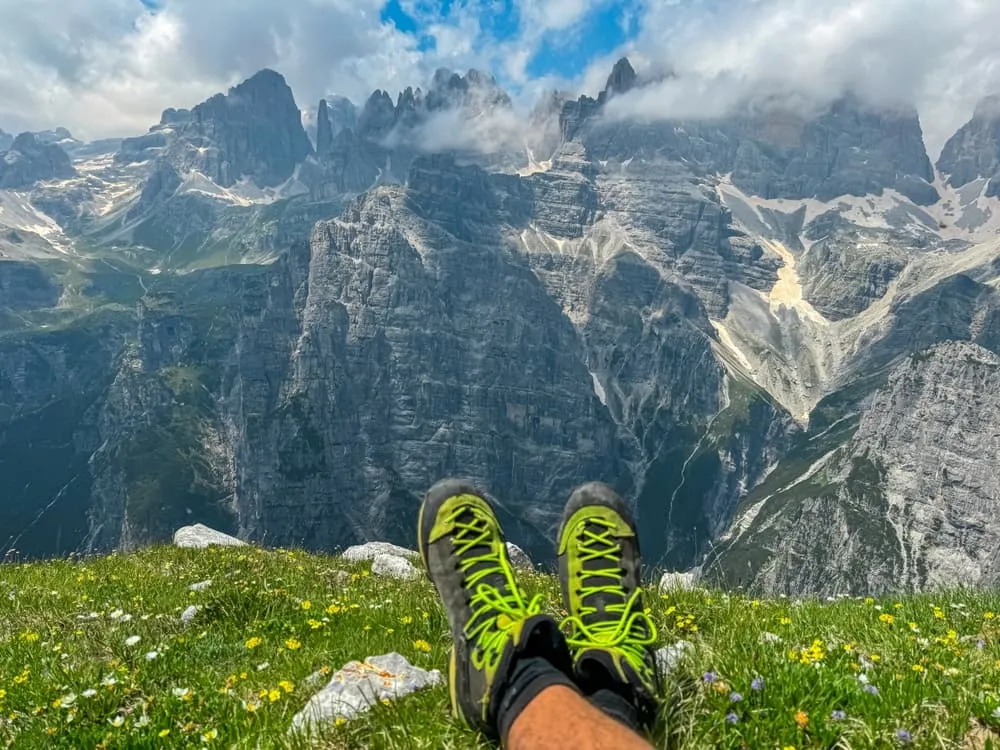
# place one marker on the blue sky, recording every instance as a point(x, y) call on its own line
point(562, 43)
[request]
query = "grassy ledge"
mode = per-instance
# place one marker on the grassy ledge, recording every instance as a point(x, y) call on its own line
point(761, 674)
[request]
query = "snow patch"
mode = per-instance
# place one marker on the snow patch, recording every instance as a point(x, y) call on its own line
point(599, 389)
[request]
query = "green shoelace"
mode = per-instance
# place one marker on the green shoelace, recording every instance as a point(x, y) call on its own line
point(624, 634)
point(494, 612)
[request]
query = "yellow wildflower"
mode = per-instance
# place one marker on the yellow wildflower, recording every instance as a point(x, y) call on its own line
point(917, 668)
point(164, 732)
point(306, 604)
point(340, 721)
point(253, 642)
point(315, 624)
point(869, 601)
point(274, 695)
point(210, 735)
point(406, 620)
point(292, 644)
point(785, 621)
point(988, 615)
point(422, 645)
point(886, 618)
point(287, 686)
point(802, 719)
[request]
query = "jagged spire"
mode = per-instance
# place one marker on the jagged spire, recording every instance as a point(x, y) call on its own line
point(622, 77)
point(324, 133)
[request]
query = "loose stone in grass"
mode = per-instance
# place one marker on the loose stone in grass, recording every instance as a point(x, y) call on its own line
point(677, 581)
point(370, 550)
point(358, 686)
point(668, 657)
point(200, 536)
point(190, 613)
point(200, 586)
point(394, 566)
point(519, 558)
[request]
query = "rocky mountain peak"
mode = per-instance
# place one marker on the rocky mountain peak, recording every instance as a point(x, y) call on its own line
point(29, 160)
point(6, 139)
point(324, 130)
point(623, 78)
point(254, 131)
point(378, 116)
point(973, 153)
point(173, 116)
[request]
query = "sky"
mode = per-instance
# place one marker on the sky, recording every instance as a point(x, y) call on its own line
point(109, 67)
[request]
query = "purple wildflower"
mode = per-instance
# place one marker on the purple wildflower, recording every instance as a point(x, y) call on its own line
point(757, 685)
point(871, 689)
point(708, 677)
point(735, 697)
point(732, 718)
point(838, 715)
point(904, 737)
point(980, 644)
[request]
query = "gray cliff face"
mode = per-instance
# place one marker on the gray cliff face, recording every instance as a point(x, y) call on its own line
point(716, 317)
point(254, 131)
point(6, 139)
point(30, 160)
point(973, 153)
point(908, 503)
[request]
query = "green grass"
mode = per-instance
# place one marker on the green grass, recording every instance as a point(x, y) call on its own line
point(936, 678)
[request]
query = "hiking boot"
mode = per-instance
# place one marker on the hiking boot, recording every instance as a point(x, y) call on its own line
point(492, 625)
point(608, 632)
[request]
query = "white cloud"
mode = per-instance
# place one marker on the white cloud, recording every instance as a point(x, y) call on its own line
point(939, 55)
point(102, 67)
point(108, 67)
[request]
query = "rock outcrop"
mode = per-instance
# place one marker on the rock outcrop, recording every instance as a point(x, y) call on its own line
point(909, 503)
point(973, 153)
point(29, 160)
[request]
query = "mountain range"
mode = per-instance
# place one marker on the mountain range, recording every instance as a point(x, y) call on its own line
point(776, 332)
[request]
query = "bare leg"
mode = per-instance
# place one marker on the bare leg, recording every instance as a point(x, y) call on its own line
point(561, 719)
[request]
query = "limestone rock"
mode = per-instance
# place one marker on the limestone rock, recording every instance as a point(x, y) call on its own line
point(371, 550)
point(677, 581)
point(188, 615)
point(358, 686)
point(668, 657)
point(200, 585)
point(200, 536)
point(394, 566)
point(907, 504)
point(519, 558)
point(29, 160)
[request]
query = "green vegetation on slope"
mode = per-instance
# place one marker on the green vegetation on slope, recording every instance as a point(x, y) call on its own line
point(761, 674)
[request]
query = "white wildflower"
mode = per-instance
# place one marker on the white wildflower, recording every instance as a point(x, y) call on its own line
point(132, 640)
point(150, 655)
point(89, 693)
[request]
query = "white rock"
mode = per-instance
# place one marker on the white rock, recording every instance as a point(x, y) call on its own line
point(394, 566)
point(190, 613)
point(358, 686)
point(369, 550)
point(668, 657)
point(200, 536)
point(771, 638)
point(200, 586)
point(678, 582)
point(519, 558)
